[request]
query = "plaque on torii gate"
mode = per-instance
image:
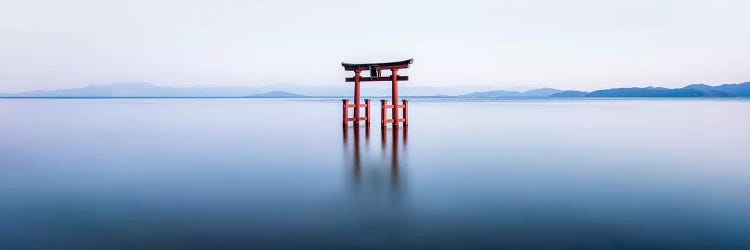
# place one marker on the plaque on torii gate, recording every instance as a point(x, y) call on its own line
point(375, 75)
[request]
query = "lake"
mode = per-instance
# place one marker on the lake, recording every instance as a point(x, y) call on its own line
point(283, 173)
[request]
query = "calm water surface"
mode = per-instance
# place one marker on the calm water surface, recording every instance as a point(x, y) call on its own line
point(275, 173)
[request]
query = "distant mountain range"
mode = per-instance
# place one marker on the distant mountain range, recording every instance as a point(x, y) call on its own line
point(141, 89)
point(276, 94)
point(694, 90)
point(544, 92)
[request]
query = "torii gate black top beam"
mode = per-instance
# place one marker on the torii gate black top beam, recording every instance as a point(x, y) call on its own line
point(387, 65)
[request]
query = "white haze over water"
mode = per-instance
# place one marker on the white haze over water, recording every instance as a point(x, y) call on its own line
point(576, 44)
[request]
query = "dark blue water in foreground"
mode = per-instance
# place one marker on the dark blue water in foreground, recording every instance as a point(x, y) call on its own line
point(272, 173)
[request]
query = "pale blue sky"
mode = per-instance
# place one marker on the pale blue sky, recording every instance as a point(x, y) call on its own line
point(505, 44)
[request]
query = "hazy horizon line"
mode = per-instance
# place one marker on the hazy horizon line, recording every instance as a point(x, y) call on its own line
point(518, 88)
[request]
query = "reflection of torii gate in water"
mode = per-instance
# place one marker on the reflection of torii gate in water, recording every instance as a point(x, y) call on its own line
point(375, 75)
point(394, 156)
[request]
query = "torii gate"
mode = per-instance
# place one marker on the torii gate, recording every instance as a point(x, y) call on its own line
point(375, 69)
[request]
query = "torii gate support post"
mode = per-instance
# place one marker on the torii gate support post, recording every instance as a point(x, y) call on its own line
point(394, 96)
point(395, 120)
point(346, 111)
point(356, 96)
point(383, 112)
point(367, 112)
point(357, 104)
point(406, 112)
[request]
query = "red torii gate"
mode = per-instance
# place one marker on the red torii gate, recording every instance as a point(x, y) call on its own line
point(375, 69)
